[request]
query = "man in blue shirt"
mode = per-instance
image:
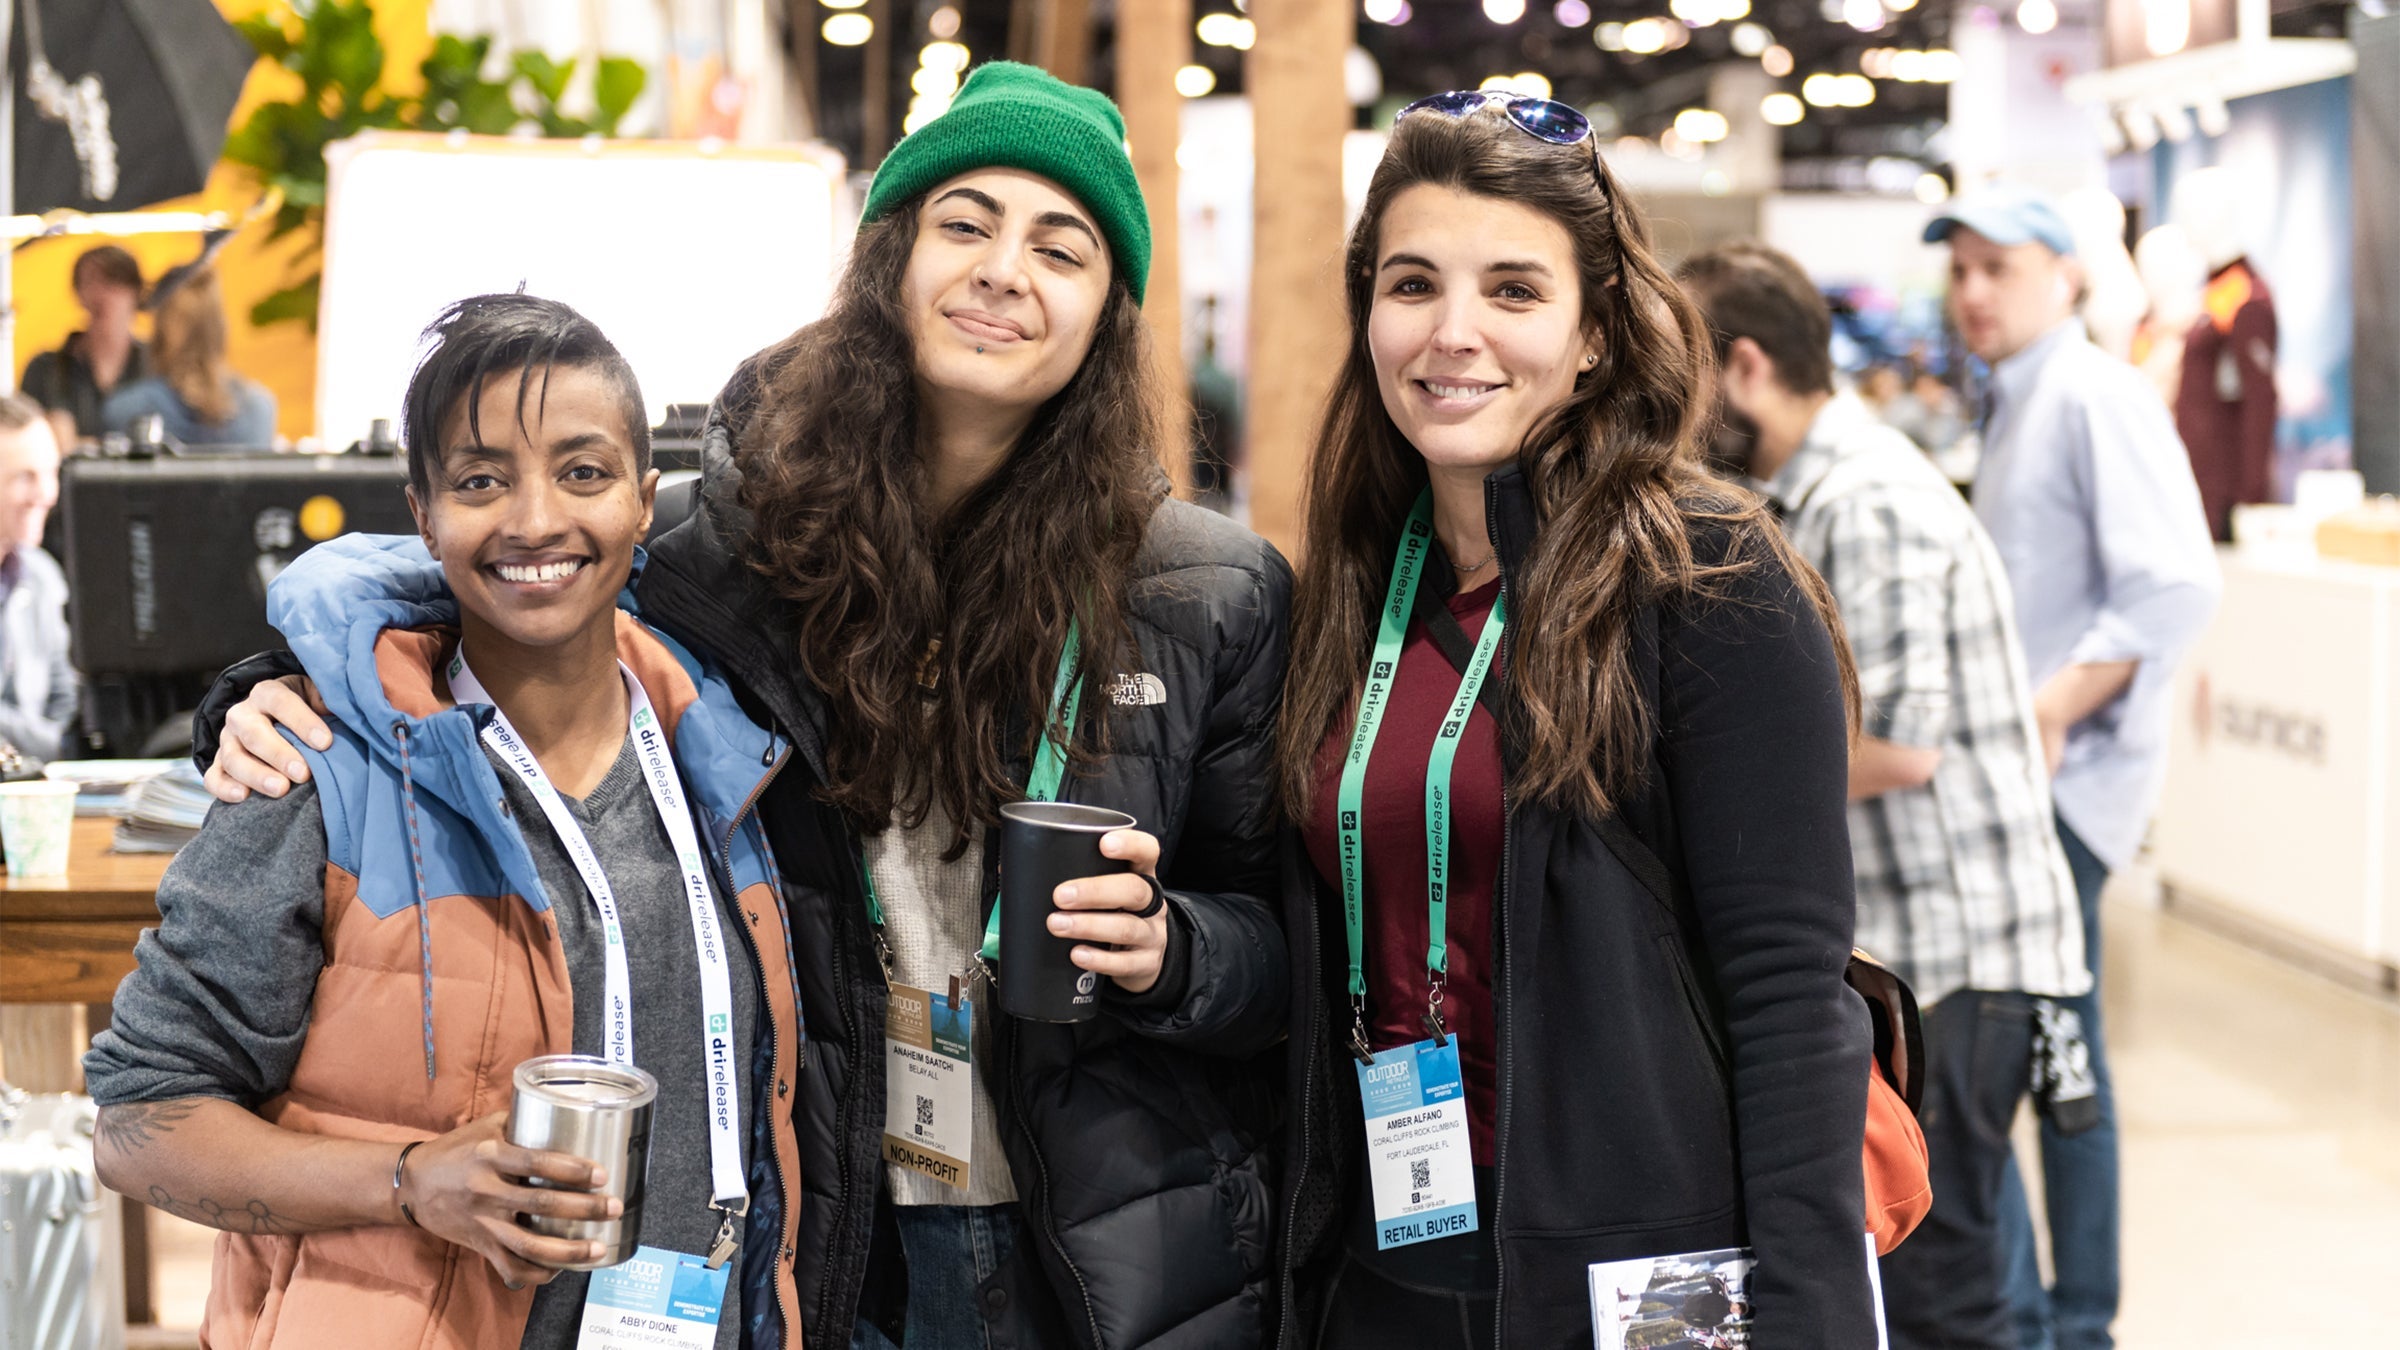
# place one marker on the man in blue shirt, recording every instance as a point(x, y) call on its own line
point(37, 686)
point(2089, 497)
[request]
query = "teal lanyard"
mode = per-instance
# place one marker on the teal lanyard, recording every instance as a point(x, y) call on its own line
point(1049, 770)
point(1391, 634)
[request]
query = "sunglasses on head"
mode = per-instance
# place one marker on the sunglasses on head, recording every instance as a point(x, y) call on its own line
point(1540, 118)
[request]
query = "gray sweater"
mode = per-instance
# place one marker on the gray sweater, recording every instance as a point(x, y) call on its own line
point(218, 1006)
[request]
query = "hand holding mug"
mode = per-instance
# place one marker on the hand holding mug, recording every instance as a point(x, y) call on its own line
point(1104, 915)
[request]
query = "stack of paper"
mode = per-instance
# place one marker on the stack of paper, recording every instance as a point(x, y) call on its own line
point(163, 811)
point(104, 783)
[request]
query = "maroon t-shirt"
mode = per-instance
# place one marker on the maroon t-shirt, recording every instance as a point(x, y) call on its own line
point(1393, 818)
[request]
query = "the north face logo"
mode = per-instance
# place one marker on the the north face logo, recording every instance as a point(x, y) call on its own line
point(1138, 690)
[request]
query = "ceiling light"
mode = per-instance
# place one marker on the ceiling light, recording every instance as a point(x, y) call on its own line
point(943, 22)
point(1750, 39)
point(1865, 15)
point(934, 82)
point(842, 4)
point(1857, 91)
point(1716, 183)
point(2166, 25)
point(1504, 11)
point(1876, 62)
point(1943, 66)
point(1907, 67)
point(1693, 11)
point(943, 56)
point(848, 30)
point(1781, 109)
point(1933, 189)
point(1533, 82)
point(1701, 125)
point(1899, 6)
point(1609, 37)
point(1383, 11)
point(1226, 30)
point(1821, 90)
point(2037, 16)
point(1644, 36)
point(1195, 81)
point(1776, 60)
point(1571, 13)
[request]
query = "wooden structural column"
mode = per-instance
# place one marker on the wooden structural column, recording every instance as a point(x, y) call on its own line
point(1154, 40)
point(1297, 330)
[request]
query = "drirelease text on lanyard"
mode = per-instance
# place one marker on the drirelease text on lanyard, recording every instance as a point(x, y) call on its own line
point(730, 1196)
point(1414, 1100)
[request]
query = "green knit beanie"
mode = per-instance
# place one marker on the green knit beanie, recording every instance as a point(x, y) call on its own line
point(1016, 116)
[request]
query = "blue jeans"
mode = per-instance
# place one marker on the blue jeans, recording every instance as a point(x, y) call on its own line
point(2079, 1181)
point(951, 1251)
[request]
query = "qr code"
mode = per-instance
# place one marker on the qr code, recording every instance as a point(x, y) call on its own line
point(924, 1114)
point(1420, 1173)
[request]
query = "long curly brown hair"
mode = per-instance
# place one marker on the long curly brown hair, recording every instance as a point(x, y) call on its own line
point(1615, 471)
point(840, 528)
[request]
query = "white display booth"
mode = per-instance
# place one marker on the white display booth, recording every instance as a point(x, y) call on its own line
point(690, 256)
point(2282, 802)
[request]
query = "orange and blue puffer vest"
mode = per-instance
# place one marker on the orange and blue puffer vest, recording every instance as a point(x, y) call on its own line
point(443, 963)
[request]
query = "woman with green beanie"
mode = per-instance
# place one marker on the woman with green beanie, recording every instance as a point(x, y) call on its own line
point(933, 535)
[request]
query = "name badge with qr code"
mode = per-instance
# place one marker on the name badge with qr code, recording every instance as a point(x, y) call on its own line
point(928, 1105)
point(1418, 1161)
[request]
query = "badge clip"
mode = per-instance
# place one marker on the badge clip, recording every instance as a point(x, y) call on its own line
point(954, 993)
point(728, 1240)
point(1439, 1029)
point(1358, 1045)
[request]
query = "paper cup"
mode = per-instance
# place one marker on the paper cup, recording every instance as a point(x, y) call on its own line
point(37, 820)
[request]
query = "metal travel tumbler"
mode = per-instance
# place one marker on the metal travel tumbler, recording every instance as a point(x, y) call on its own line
point(589, 1108)
point(1042, 846)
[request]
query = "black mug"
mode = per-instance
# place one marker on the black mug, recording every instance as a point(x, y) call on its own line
point(1044, 845)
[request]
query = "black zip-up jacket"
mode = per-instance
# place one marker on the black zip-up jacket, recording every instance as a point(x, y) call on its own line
point(1681, 1068)
point(1143, 1142)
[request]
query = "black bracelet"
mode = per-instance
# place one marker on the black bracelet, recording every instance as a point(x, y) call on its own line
point(399, 1166)
point(1158, 897)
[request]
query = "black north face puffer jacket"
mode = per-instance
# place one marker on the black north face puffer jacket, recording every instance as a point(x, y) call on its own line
point(1143, 1142)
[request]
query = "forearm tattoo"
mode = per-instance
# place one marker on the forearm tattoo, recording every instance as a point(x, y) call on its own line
point(130, 1127)
point(254, 1217)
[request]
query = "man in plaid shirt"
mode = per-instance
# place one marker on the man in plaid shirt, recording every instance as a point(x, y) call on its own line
point(1962, 884)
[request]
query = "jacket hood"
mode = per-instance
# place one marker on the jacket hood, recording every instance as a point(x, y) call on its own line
point(370, 618)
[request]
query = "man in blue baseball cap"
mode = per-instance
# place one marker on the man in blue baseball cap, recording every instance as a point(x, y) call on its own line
point(2086, 491)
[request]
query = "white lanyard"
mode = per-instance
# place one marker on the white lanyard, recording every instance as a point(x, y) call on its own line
point(716, 981)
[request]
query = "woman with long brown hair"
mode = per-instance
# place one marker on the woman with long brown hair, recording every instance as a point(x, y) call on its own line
point(192, 387)
point(1565, 736)
point(934, 544)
